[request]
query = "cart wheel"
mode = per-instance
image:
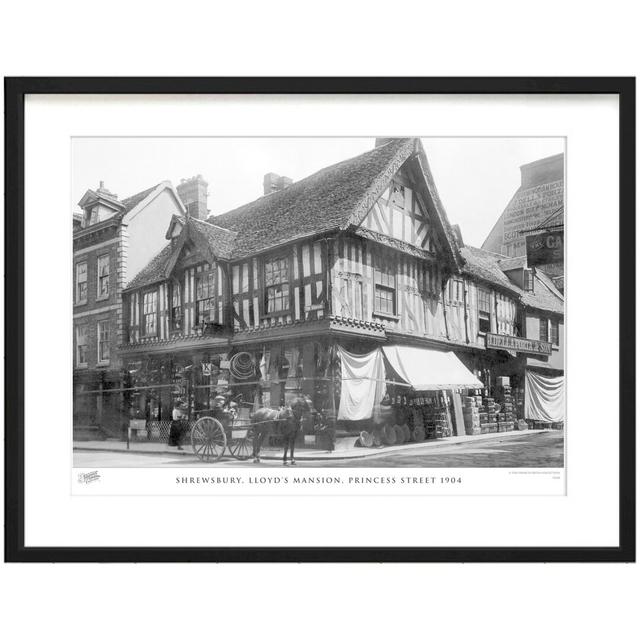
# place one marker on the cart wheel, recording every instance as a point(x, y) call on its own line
point(241, 445)
point(208, 439)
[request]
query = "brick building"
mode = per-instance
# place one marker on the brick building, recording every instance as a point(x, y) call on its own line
point(112, 240)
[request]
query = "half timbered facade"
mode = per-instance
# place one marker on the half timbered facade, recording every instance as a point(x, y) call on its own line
point(359, 254)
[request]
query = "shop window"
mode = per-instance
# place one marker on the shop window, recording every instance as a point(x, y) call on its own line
point(103, 341)
point(276, 281)
point(176, 306)
point(103, 276)
point(150, 313)
point(544, 330)
point(484, 310)
point(205, 296)
point(528, 279)
point(81, 282)
point(81, 345)
point(385, 286)
point(555, 332)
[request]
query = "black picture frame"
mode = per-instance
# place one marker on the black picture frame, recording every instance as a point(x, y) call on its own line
point(15, 91)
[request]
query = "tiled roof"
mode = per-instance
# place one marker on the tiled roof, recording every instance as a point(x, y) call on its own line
point(484, 265)
point(322, 202)
point(153, 271)
point(220, 239)
point(545, 296)
point(133, 201)
point(518, 262)
point(487, 266)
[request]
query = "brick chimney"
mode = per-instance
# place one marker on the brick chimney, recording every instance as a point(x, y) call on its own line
point(273, 182)
point(193, 193)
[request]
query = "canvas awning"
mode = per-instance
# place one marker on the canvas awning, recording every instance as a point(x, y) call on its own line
point(430, 370)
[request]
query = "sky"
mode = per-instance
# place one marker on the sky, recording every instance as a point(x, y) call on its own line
point(475, 177)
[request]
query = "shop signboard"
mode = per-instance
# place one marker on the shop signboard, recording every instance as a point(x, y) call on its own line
point(521, 345)
point(545, 248)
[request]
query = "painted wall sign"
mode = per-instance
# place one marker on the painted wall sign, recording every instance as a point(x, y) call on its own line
point(522, 345)
point(545, 248)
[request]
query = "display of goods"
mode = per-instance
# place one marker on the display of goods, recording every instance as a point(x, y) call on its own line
point(407, 432)
point(399, 434)
point(242, 366)
point(382, 415)
point(377, 438)
point(388, 435)
point(366, 439)
point(418, 434)
point(418, 420)
point(502, 381)
point(474, 431)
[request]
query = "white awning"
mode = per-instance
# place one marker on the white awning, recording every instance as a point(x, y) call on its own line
point(430, 370)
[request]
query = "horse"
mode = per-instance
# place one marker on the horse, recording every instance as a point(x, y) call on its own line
point(286, 421)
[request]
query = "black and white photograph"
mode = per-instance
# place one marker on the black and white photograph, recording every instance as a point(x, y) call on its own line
point(327, 302)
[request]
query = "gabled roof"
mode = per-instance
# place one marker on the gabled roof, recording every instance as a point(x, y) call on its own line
point(484, 265)
point(545, 295)
point(213, 242)
point(133, 201)
point(332, 199)
point(220, 239)
point(154, 271)
point(488, 267)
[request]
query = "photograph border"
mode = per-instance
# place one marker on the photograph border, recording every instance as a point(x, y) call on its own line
point(15, 91)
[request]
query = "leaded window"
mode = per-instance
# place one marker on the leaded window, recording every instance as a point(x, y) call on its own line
point(150, 313)
point(276, 280)
point(176, 306)
point(205, 296)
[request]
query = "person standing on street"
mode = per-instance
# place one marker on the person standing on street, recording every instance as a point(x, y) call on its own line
point(177, 425)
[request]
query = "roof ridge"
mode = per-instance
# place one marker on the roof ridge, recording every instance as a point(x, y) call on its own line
point(211, 224)
point(323, 170)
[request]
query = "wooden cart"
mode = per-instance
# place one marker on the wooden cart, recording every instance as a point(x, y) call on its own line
point(210, 437)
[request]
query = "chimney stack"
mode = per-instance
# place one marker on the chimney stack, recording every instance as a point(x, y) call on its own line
point(273, 182)
point(193, 193)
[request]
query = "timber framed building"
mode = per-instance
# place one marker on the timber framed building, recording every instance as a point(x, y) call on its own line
point(358, 255)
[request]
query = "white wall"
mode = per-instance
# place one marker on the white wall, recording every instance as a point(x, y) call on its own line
point(147, 231)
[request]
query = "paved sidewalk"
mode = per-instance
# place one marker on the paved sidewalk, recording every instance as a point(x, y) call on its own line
point(115, 446)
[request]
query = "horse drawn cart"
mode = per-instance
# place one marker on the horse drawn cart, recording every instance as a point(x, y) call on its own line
point(211, 437)
point(237, 429)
